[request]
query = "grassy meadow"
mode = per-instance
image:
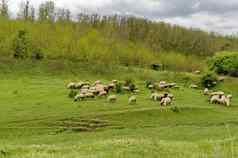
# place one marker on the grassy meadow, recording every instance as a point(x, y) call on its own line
point(37, 119)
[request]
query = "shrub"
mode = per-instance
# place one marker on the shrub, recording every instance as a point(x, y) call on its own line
point(37, 53)
point(21, 45)
point(119, 88)
point(225, 63)
point(209, 79)
point(72, 93)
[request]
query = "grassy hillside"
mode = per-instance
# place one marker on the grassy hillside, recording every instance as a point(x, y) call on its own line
point(38, 119)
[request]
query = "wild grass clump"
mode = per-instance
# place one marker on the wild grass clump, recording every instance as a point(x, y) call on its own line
point(175, 109)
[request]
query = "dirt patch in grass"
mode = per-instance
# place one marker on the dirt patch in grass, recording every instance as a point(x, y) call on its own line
point(83, 125)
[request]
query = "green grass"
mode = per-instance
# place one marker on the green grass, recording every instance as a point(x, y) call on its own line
point(37, 119)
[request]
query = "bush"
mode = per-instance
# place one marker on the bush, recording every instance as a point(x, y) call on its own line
point(225, 63)
point(37, 54)
point(119, 88)
point(72, 93)
point(21, 45)
point(209, 79)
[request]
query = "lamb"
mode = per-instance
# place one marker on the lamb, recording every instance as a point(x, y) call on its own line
point(112, 98)
point(132, 100)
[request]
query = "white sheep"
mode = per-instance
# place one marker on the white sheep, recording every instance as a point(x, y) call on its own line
point(228, 100)
point(114, 81)
point(217, 93)
point(79, 97)
point(90, 95)
point(194, 86)
point(221, 99)
point(156, 96)
point(216, 99)
point(102, 93)
point(71, 85)
point(166, 101)
point(97, 82)
point(112, 98)
point(206, 91)
point(132, 100)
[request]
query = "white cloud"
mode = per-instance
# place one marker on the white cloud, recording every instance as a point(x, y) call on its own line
point(211, 15)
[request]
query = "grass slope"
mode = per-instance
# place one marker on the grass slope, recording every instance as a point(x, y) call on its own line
point(37, 119)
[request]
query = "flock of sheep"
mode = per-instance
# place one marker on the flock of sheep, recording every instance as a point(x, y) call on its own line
point(98, 89)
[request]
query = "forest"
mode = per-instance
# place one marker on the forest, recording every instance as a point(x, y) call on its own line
point(55, 33)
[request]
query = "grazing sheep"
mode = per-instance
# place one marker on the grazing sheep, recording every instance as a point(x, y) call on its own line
point(85, 87)
point(102, 93)
point(97, 82)
point(221, 99)
point(114, 81)
point(111, 86)
point(112, 98)
point(132, 100)
point(151, 86)
point(79, 97)
point(90, 95)
point(217, 93)
point(166, 101)
point(194, 86)
point(162, 84)
point(125, 88)
point(206, 91)
point(171, 85)
point(79, 85)
point(228, 100)
point(71, 85)
point(215, 99)
point(156, 96)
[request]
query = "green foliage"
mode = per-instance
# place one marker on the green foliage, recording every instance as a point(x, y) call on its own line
point(21, 45)
point(225, 63)
point(119, 88)
point(209, 79)
point(72, 93)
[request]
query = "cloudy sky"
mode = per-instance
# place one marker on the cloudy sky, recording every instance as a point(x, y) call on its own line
point(211, 15)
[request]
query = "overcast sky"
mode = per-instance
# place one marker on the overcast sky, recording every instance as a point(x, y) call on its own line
point(211, 15)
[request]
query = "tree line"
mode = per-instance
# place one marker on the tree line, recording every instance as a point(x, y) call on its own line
point(54, 32)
